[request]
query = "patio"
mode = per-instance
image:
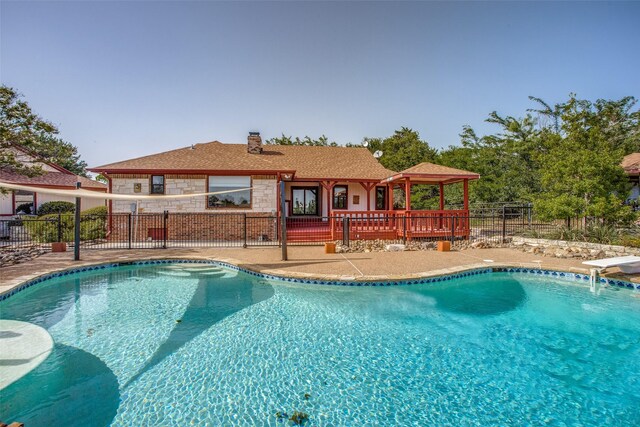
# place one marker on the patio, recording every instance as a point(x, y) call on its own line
point(307, 262)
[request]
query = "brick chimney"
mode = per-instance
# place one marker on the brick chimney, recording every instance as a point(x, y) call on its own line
point(254, 143)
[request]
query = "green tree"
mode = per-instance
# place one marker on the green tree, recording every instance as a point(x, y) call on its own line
point(580, 169)
point(402, 150)
point(323, 141)
point(20, 125)
point(507, 161)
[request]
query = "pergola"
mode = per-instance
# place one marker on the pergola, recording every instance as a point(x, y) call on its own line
point(431, 174)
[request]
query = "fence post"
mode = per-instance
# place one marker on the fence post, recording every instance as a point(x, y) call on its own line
point(345, 230)
point(530, 211)
point(129, 229)
point(504, 224)
point(404, 229)
point(453, 230)
point(165, 217)
point(244, 237)
point(76, 237)
point(59, 227)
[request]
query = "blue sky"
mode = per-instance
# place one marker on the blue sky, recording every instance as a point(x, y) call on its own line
point(124, 79)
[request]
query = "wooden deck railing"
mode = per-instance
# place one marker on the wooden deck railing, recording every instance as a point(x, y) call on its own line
point(401, 223)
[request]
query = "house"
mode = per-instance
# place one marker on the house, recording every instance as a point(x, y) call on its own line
point(631, 166)
point(53, 176)
point(320, 182)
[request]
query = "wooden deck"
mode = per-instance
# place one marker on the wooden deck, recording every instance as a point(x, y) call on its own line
point(385, 225)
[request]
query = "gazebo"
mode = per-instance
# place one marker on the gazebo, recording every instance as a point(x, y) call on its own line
point(431, 174)
point(406, 222)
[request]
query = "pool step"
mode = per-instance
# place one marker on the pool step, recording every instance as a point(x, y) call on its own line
point(213, 274)
point(174, 273)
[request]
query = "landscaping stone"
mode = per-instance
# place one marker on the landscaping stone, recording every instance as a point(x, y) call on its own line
point(542, 247)
point(394, 248)
point(16, 255)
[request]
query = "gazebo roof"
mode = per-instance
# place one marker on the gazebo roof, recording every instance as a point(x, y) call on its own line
point(430, 173)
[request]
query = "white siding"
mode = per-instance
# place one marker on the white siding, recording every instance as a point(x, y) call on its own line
point(354, 189)
point(6, 204)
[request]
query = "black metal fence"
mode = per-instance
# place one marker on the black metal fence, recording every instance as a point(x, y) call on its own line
point(143, 231)
point(175, 230)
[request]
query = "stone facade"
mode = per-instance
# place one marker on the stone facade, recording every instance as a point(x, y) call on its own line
point(189, 219)
point(263, 196)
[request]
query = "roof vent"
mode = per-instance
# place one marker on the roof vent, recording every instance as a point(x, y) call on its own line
point(254, 143)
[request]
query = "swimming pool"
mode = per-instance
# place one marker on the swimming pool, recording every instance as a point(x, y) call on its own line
point(199, 344)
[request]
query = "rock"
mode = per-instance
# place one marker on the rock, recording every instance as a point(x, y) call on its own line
point(394, 248)
point(16, 254)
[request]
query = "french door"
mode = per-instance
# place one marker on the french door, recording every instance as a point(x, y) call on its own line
point(304, 200)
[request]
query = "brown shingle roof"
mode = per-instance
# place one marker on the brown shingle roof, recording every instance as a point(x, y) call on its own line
point(433, 169)
point(432, 173)
point(307, 162)
point(631, 163)
point(52, 179)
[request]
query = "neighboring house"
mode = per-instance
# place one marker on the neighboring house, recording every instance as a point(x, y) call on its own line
point(53, 176)
point(319, 181)
point(631, 165)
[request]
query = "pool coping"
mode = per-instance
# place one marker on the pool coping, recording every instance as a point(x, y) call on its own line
point(433, 276)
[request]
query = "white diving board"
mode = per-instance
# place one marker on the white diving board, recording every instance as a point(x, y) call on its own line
point(627, 264)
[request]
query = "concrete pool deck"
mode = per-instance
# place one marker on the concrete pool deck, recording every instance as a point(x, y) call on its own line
point(308, 262)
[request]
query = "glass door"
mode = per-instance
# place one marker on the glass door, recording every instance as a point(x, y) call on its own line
point(304, 200)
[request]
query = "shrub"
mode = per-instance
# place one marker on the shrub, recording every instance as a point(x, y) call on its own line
point(97, 211)
point(601, 233)
point(56, 208)
point(25, 208)
point(630, 241)
point(45, 229)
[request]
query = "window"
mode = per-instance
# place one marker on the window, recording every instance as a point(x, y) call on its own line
point(236, 199)
point(381, 198)
point(340, 197)
point(304, 200)
point(157, 184)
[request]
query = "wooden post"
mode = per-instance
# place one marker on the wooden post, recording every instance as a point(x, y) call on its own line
point(283, 224)
point(368, 186)
point(328, 186)
point(465, 186)
point(441, 196)
point(407, 194)
point(390, 197)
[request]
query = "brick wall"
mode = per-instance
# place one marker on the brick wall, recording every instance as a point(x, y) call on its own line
point(195, 227)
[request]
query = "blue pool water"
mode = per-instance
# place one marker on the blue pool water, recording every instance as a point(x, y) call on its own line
point(193, 344)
